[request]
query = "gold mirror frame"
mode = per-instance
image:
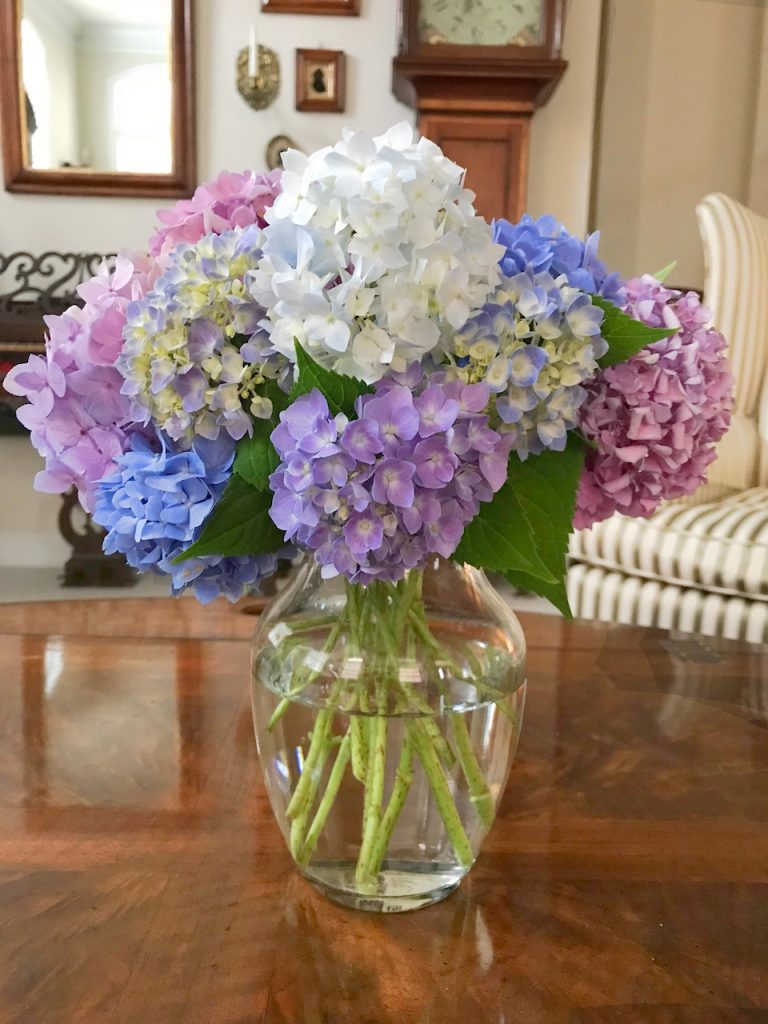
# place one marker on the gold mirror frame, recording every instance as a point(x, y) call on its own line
point(20, 178)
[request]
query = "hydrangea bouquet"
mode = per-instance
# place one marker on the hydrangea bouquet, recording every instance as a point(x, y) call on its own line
point(345, 359)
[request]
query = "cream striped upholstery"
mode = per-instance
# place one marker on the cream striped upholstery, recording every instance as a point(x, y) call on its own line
point(702, 565)
point(597, 593)
point(720, 547)
point(736, 290)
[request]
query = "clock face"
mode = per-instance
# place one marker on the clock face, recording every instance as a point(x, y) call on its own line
point(482, 22)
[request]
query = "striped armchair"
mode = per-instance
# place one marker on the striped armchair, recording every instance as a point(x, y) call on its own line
point(701, 565)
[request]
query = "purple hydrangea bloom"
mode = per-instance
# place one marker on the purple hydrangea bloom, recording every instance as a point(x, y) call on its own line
point(393, 483)
point(381, 493)
point(544, 245)
point(654, 420)
point(155, 505)
point(436, 412)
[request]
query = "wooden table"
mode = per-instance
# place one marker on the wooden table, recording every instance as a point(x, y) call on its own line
point(143, 881)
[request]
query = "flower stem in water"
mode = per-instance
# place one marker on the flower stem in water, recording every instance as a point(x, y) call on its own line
point(443, 797)
point(478, 787)
point(329, 796)
point(403, 780)
point(374, 791)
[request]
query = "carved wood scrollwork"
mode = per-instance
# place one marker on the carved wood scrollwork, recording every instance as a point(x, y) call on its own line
point(32, 285)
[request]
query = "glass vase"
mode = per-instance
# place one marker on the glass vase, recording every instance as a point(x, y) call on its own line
point(387, 717)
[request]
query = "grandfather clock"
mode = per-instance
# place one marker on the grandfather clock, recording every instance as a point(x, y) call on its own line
point(476, 70)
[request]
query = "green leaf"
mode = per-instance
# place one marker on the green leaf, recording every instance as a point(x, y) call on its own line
point(256, 457)
point(663, 274)
point(554, 592)
point(525, 529)
point(500, 538)
point(338, 390)
point(546, 487)
point(238, 525)
point(625, 336)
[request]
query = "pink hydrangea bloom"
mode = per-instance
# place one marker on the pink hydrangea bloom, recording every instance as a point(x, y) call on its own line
point(77, 417)
point(229, 201)
point(656, 418)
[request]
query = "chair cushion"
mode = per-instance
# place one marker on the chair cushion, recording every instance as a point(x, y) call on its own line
point(720, 547)
point(609, 596)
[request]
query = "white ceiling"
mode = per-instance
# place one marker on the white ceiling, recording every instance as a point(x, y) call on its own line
point(119, 12)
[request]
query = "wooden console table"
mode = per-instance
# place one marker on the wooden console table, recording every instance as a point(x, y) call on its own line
point(142, 878)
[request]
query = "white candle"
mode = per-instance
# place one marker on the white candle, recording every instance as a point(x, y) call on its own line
point(253, 53)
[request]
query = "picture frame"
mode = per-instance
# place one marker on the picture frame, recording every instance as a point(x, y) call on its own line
point(348, 8)
point(321, 81)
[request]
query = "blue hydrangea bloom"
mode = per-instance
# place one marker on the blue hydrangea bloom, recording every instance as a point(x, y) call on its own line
point(185, 364)
point(534, 346)
point(155, 505)
point(544, 245)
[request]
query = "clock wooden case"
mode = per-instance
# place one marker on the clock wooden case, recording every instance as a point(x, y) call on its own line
point(476, 70)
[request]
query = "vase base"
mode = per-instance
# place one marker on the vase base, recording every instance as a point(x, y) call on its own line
point(398, 888)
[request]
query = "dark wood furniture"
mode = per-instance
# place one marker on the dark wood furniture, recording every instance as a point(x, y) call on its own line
point(348, 7)
point(20, 177)
point(32, 286)
point(476, 103)
point(143, 879)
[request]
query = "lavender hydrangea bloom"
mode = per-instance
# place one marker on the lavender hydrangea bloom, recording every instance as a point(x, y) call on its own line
point(154, 507)
point(545, 246)
point(77, 417)
point(230, 200)
point(375, 496)
point(534, 346)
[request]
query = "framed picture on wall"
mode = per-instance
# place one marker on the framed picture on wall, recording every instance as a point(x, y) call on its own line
point(320, 81)
point(348, 7)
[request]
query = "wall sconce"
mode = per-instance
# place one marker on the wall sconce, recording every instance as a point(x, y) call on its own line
point(258, 81)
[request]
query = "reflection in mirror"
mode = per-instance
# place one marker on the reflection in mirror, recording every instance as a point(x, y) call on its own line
point(97, 85)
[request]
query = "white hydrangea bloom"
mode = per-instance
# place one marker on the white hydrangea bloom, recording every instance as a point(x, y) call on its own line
point(373, 255)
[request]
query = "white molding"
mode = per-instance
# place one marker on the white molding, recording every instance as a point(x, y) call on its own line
point(63, 21)
point(125, 39)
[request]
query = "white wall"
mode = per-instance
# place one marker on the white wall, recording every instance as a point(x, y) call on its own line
point(758, 177)
point(679, 117)
point(232, 135)
point(28, 531)
point(562, 131)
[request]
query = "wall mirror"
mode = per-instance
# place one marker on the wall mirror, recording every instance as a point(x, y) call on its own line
point(98, 97)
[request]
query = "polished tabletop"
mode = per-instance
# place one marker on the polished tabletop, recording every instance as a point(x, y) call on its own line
point(143, 880)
